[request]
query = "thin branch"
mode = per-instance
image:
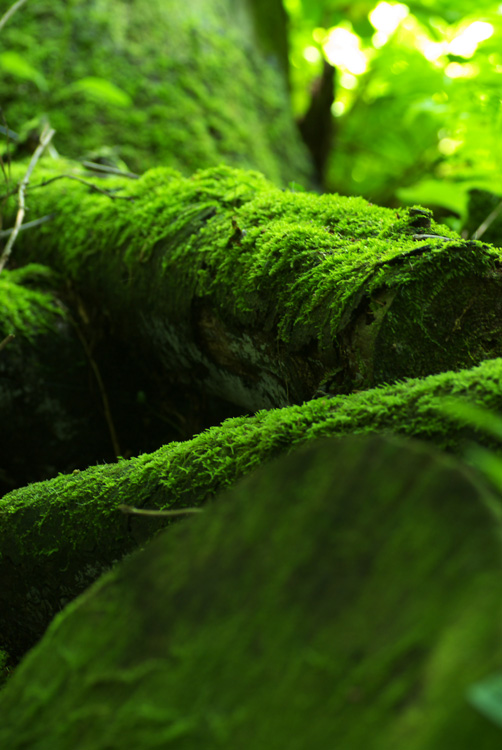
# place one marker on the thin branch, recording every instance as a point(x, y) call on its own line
point(7, 132)
point(431, 237)
point(5, 165)
point(102, 391)
point(28, 225)
point(487, 222)
point(143, 512)
point(84, 182)
point(44, 141)
point(6, 341)
point(94, 167)
point(10, 12)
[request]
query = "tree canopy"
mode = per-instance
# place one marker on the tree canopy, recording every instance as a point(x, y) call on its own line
point(417, 104)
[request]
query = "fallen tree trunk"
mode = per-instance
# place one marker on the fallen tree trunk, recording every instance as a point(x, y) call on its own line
point(318, 605)
point(231, 287)
point(57, 537)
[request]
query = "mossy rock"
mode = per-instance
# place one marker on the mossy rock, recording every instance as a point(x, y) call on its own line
point(347, 595)
point(159, 81)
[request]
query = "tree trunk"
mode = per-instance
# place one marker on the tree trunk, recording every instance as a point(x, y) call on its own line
point(228, 286)
point(187, 84)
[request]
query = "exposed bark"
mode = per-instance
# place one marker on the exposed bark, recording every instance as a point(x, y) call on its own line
point(318, 605)
point(317, 125)
point(57, 537)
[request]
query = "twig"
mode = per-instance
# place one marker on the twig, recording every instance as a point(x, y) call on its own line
point(142, 512)
point(102, 391)
point(6, 341)
point(84, 182)
point(431, 237)
point(110, 170)
point(28, 225)
point(44, 141)
point(5, 165)
point(487, 222)
point(10, 12)
point(4, 130)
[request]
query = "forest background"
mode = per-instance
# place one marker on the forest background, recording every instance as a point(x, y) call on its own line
point(399, 104)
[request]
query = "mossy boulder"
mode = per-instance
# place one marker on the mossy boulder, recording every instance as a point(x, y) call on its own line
point(156, 81)
point(347, 595)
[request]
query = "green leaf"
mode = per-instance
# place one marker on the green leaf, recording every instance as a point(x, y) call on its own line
point(102, 90)
point(16, 65)
point(295, 187)
point(486, 697)
point(468, 413)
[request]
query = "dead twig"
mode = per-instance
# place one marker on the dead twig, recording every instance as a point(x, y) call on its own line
point(108, 193)
point(143, 512)
point(6, 341)
point(102, 391)
point(28, 225)
point(10, 12)
point(94, 167)
point(487, 222)
point(45, 139)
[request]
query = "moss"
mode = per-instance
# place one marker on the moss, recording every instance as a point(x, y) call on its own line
point(60, 534)
point(346, 286)
point(326, 601)
point(24, 310)
point(200, 90)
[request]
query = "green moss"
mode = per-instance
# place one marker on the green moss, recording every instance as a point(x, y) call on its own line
point(24, 310)
point(67, 530)
point(201, 91)
point(358, 287)
point(326, 601)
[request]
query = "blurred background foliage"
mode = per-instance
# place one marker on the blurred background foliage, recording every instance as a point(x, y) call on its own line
point(416, 113)
point(400, 103)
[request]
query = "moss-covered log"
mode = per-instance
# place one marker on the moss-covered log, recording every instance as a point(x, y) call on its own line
point(232, 287)
point(185, 84)
point(319, 604)
point(56, 537)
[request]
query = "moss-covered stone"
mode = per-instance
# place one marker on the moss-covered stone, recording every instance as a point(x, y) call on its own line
point(345, 596)
point(183, 84)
